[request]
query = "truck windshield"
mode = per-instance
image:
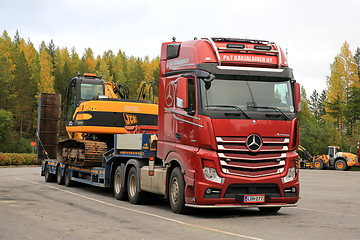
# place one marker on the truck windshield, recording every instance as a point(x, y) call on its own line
point(237, 92)
point(91, 91)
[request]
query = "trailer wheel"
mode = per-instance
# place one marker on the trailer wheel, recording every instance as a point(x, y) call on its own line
point(340, 165)
point(134, 194)
point(119, 191)
point(269, 209)
point(49, 177)
point(68, 181)
point(318, 164)
point(177, 191)
point(59, 178)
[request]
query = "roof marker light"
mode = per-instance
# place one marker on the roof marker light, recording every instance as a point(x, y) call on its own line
point(261, 47)
point(234, 45)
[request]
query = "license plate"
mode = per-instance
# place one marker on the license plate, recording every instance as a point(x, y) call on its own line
point(254, 198)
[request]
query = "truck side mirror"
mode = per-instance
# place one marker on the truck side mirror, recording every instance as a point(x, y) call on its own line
point(297, 97)
point(182, 93)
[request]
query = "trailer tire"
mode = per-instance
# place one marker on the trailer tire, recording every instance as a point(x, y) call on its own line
point(177, 192)
point(68, 181)
point(49, 177)
point(269, 209)
point(119, 191)
point(134, 194)
point(340, 165)
point(59, 178)
point(318, 164)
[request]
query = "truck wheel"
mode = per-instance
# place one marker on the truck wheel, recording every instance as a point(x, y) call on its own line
point(59, 178)
point(49, 177)
point(119, 191)
point(177, 192)
point(318, 164)
point(134, 194)
point(340, 165)
point(269, 209)
point(68, 181)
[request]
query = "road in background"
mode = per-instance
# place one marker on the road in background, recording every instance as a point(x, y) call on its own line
point(30, 208)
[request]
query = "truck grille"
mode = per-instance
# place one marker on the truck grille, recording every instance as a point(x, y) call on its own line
point(236, 159)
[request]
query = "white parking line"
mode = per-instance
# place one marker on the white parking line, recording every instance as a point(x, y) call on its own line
point(146, 213)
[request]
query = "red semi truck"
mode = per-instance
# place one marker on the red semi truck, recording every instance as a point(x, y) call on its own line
point(227, 132)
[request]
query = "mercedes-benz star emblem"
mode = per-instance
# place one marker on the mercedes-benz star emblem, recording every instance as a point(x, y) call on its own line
point(169, 93)
point(253, 142)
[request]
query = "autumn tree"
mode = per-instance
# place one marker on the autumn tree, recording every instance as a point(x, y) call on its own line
point(314, 103)
point(5, 127)
point(135, 76)
point(321, 104)
point(343, 76)
point(25, 96)
point(357, 59)
point(352, 109)
point(74, 64)
point(109, 58)
point(120, 67)
point(62, 71)
point(88, 63)
point(46, 83)
point(103, 68)
point(6, 67)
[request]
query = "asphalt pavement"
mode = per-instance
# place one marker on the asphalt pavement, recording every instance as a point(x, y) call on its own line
point(30, 208)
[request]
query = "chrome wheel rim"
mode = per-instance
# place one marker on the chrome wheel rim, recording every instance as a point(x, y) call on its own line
point(174, 191)
point(132, 185)
point(117, 183)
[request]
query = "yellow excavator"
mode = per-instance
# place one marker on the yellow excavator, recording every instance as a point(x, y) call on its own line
point(333, 160)
point(95, 111)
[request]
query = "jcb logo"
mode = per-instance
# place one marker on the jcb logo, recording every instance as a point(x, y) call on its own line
point(130, 119)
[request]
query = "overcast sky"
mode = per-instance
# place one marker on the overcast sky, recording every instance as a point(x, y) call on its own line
point(311, 31)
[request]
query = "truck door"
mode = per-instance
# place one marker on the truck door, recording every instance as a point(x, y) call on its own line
point(332, 152)
point(187, 122)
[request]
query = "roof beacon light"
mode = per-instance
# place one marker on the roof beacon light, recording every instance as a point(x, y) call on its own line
point(89, 75)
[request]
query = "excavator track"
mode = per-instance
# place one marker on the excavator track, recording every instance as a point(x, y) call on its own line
point(81, 152)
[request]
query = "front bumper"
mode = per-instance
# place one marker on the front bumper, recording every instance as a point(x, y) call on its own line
point(239, 206)
point(231, 193)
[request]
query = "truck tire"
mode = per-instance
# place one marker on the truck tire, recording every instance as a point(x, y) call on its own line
point(68, 181)
point(119, 191)
point(318, 164)
point(177, 192)
point(49, 177)
point(340, 165)
point(269, 209)
point(134, 194)
point(59, 178)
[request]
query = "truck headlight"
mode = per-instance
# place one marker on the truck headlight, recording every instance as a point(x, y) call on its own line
point(291, 174)
point(211, 175)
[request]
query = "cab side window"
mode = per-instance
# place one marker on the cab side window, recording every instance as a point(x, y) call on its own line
point(191, 95)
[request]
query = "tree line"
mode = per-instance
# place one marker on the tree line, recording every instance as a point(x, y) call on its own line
point(26, 71)
point(332, 117)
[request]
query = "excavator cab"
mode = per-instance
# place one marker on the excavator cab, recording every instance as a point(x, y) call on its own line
point(81, 89)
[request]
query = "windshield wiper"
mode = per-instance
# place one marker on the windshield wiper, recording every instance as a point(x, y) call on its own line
point(230, 106)
point(273, 108)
